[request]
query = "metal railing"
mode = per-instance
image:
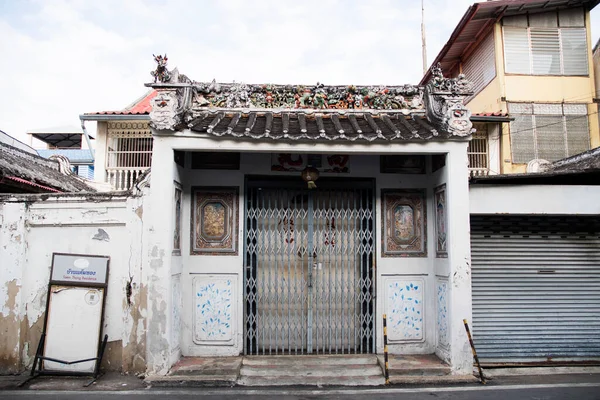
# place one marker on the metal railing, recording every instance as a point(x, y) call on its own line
point(478, 153)
point(129, 152)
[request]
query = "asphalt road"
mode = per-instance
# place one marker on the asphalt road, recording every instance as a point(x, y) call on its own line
point(578, 391)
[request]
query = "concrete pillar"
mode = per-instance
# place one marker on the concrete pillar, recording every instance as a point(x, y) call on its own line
point(158, 223)
point(101, 149)
point(12, 263)
point(459, 257)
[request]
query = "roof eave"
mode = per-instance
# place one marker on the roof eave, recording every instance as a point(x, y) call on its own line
point(457, 31)
point(498, 119)
point(114, 117)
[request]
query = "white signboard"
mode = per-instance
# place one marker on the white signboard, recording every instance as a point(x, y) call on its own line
point(74, 312)
point(81, 270)
point(72, 331)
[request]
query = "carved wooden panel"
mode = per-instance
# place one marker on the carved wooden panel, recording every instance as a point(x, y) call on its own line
point(404, 223)
point(215, 220)
point(441, 222)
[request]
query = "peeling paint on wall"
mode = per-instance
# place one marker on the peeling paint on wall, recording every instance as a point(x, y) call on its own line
point(9, 330)
point(101, 235)
point(31, 230)
point(134, 348)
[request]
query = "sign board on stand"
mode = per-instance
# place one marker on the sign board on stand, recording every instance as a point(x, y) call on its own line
point(71, 341)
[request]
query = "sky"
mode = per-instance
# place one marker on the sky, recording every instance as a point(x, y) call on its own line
point(63, 58)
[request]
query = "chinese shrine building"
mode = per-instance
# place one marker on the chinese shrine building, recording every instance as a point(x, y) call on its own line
point(289, 220)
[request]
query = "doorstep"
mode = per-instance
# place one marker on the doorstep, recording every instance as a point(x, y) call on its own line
point(307, 370)
point(421, 369)
point(200, 371)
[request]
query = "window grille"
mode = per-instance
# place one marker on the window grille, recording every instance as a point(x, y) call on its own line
point(548, 131)
point(549, 44)
point(478, 152)
point(129, 152)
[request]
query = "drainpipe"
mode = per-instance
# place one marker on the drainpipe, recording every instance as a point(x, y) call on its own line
point(87, 138)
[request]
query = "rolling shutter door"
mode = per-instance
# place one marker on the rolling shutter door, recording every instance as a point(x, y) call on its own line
point(536, 288)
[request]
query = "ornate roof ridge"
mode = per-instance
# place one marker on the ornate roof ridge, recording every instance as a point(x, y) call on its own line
point(179, 98)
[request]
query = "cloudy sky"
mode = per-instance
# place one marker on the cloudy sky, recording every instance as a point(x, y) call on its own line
point(62, 58)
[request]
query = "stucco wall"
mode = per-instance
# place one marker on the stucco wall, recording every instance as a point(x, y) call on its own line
point(534, 199)
point(34, 227)
point(181, 271)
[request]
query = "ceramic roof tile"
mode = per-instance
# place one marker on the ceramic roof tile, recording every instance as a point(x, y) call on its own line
point(142, 106)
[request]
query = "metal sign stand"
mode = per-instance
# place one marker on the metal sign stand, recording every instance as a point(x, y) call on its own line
point(73, 271)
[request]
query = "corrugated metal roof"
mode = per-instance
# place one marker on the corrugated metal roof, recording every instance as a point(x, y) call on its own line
point(75, 156)
point(479, 19)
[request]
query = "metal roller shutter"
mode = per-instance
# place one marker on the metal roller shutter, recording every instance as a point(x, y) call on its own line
point(536, 288)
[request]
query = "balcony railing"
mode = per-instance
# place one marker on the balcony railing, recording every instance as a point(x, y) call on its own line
point(123, 178)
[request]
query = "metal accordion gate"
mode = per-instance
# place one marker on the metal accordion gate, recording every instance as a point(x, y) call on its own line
point(309, 273)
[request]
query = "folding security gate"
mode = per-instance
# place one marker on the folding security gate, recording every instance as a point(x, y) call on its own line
point(536, 287)
point(309, 279)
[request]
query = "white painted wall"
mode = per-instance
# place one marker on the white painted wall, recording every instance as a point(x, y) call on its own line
point(100, 153)
point(256, 160)
point(534, 199)
point(36, 226)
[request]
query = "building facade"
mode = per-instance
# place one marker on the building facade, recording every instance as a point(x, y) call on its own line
point(530, 60)
point(534, 223)
point(124, 143)
point(255, 260)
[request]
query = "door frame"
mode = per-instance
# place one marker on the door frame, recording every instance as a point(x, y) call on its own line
point(291, 182)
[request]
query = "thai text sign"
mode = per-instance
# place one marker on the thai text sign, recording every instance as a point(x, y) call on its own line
point(79, 269)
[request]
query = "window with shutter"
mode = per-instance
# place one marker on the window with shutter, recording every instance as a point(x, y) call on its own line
point(516, 50)
point(547, 45)
point(545, 51)
point(574, 51)
point(480, 68)
point(548, 131)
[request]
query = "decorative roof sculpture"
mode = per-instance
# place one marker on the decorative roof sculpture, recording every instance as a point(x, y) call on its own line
point(309, 112)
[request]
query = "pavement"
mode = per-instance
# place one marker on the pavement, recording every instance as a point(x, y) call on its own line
point(115, 381)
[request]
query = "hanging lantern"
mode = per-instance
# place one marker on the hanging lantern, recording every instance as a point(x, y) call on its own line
point(310, 175)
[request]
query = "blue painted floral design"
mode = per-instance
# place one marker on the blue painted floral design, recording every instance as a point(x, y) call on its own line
point(213, 310)
point(405, 310)
point(442, 314)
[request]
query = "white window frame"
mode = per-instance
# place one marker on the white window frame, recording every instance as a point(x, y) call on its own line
point(560, 31)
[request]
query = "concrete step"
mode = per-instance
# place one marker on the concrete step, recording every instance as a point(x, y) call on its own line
point(192, 380)
point(377, 380)
point(311, 360)
point(421, 365)
point(312, 371)
point(222, 366)
point(361, 370)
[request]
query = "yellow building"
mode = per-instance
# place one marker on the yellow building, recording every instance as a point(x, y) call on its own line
point(530, 62)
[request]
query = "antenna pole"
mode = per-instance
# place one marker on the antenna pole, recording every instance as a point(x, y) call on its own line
point(424, 43)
